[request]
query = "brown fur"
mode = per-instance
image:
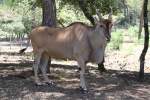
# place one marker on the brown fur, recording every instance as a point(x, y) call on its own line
point(63, 40)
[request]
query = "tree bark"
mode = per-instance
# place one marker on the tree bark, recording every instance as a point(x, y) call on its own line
point(49, 13)
point(146, 42)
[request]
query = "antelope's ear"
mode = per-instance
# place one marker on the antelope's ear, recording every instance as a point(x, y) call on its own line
point(95, 19)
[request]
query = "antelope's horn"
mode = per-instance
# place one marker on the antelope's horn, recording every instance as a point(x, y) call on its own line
point(98, 14)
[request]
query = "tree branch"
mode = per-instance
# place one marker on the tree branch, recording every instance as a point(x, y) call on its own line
point(83, 6)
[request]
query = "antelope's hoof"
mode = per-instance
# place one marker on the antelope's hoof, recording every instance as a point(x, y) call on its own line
point(79, 69)
point(49, 83)
point(83, 90)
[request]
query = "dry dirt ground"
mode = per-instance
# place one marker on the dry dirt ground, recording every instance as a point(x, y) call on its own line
point(118, 83)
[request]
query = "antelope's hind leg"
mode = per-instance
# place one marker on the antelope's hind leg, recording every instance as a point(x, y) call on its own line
point(43, 67)
point(37, 57)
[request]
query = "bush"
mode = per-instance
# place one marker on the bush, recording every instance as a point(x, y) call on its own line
point(68, 14)
point(17, 20)
point(116, 40)
point(11, 25)
point(133, 31)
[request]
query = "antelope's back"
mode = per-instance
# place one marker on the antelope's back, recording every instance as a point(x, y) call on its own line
point(59, 42)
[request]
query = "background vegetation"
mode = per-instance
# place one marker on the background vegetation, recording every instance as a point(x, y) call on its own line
point(17, 17)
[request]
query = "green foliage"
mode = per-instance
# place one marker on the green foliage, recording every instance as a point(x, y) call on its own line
point(11, 3)
point(72, 15)
point(116, 40)
point(3, 34)
point(92, 5)
point(135, 5)
point(17, 19)
point(133, 34)
point(11, 25)
point(8, 2)
point(28, 20)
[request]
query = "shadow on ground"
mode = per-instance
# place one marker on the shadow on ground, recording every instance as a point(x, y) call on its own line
point(16, 82)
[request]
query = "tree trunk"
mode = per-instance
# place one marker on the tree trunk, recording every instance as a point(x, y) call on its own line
point(141, 22)
point(49, 18)
point(49, 13)
point(83, 7)
point(146, 42)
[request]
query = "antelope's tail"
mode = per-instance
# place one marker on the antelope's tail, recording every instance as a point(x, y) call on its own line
point(24, 49)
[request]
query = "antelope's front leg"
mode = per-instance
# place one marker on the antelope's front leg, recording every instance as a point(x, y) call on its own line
point(81, 63)
point(101, 66)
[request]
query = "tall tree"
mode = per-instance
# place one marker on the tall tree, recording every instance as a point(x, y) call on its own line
point(146, 41)
point(49, 13)
point(49, 18)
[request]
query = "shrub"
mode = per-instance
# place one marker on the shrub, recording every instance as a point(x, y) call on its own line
point(116, 40)
point(133, 31)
